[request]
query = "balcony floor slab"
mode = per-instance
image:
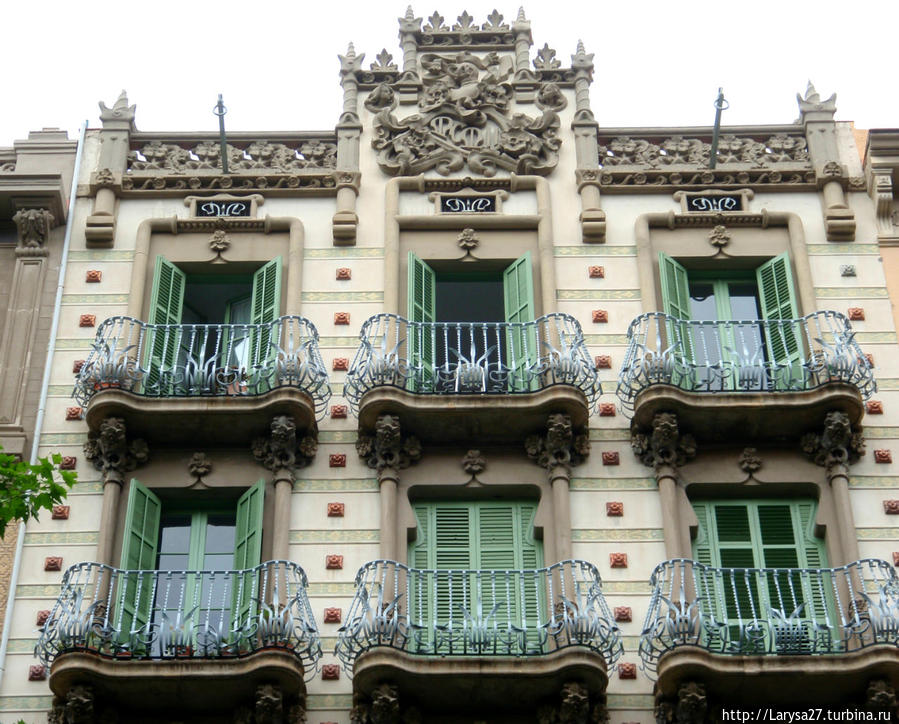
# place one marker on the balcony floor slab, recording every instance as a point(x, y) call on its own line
point(463, 683)
point(821, 680)
point(201, 420)
point(723, 416)
point(495, 419)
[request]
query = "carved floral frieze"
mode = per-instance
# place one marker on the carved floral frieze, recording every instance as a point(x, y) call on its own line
point(258, 155)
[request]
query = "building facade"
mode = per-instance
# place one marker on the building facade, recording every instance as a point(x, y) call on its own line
point(468, 410)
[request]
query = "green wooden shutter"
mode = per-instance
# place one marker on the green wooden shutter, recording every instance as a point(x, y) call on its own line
point(421, 306)
point(676, 303)
point(675, 287)
point(139, 548)
point(247, 552)
point(265, 306)
point(248, 535)
point(518, 298)
point(778, 302)
point(166, 305)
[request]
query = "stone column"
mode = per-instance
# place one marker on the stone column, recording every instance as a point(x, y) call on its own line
point(558, 450)
point(816, 117)
point(349, 131)
point(524, 80)
point(21, 324)
point(409, 82)
point(283, 453)
point(664, 448)
point(115, 145)
point(111, 453)
point(835, 449)
point(388, 452)
point(586, 147)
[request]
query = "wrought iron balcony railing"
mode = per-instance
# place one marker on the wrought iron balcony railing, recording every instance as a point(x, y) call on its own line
point(742, 356)
point(478, 612)
point(770, 611)
point(185, 360)
point(454, 358)
point(181, 614)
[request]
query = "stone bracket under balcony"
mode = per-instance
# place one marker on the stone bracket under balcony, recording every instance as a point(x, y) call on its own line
point(201, 686)
point(478, 684)
point(201, 420)
point(788, 681)
point(729, 416)
point(487, 419)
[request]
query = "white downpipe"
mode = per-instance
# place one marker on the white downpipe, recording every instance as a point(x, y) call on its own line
point(45, 387)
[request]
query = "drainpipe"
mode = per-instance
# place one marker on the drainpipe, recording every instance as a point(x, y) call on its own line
point(45, 388)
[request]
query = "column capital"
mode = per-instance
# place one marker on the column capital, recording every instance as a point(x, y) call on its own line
point(388, 448)
point(664, 445)
point(559, 446)
point(110, 451)
point(283, 451)
point(836, 446)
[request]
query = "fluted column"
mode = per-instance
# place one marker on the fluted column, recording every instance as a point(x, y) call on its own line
point(282, 453)
point(388, 451)
point(111, 453)
point(558, 450)
point(664, 448)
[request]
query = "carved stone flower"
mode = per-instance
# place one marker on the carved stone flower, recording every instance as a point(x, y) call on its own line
point(219, 241)
point(718, 236)
point(749, 461)
point(468, 240)
point(473, 462)
point(199, 465)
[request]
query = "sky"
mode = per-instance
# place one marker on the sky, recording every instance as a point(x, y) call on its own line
point(657, 63)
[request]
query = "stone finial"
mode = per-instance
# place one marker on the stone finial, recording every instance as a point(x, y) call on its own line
point(559, 446)
point(350, 62)
point(384, 62)
point(812, 101)
point(110, 452)
point(409, 23)
point(121, 115)
point(836, 445)
point(283, 450)
point(387, 448)
point(521, 18)
point(582, 61)
point(664, 444)
point(33, 226)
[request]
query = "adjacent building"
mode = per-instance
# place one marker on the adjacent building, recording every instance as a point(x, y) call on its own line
point(469, 409)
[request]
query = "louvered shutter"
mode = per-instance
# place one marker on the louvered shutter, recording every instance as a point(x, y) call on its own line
point(736, 553)
point(778, 302)
point(676, 303)
point(247, 554)
point(421, 305)
point(265, 305)
point(166, 306)
point(139, 549)
point(518, 300)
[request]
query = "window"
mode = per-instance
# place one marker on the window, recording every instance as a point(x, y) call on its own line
point(178, 543)
point(464, 341)
point(454, 540)
point(792, 605)
point(734, 327)
point(200, 352)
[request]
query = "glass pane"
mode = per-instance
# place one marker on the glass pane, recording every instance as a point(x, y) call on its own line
point(220, 534)
point(174, 534)
point(702, 302)
point(744, 300)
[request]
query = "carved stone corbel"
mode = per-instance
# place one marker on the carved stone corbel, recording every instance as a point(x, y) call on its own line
point(282, 452)
point(881, 191)
point(880, 696)
point(33, 226)
point(269, 704)
point(79, 708)
point(110, 451)
point(557, 451)
point(575, 706)
point(388, 452)
point(385, 705)
point(690, 707)
point(835, 448)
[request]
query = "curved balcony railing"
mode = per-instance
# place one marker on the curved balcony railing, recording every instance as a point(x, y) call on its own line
point(478, 612)
point(458, 358)
point(742, 356)
point(770, 611)
point(181, 614)
point(216, 360)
